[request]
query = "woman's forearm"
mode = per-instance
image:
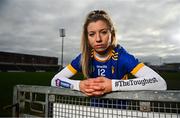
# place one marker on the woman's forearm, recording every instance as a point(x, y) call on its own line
point(147, 79)
point(61, 79)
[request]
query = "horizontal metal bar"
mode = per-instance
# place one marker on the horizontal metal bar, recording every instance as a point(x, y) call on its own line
point(165, 96)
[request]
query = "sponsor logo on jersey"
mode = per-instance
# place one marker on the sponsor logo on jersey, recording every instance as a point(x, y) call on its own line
point(101, 70)
point(63, 84)
point(135, 82)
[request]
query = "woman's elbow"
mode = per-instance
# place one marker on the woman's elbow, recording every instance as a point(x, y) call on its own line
point(53, 81)
point(162, 85)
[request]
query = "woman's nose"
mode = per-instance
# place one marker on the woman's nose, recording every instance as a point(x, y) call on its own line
point(98, 38)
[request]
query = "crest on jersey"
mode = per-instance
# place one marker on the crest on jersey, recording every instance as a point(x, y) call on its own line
point(112, 68)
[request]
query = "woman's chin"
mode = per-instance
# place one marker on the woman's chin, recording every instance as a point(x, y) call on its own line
point(100, 51)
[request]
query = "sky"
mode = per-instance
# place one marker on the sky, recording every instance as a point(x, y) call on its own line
point(148, 29)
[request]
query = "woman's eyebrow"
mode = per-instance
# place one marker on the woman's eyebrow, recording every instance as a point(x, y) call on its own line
point(105, 29)
point(91, 31)
point(99, 30)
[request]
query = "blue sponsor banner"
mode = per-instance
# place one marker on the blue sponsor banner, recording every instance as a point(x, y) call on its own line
point(63, 84)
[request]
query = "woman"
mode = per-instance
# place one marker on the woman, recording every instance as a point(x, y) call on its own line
point(104, 63)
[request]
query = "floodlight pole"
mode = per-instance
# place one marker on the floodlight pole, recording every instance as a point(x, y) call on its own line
point(62, 35)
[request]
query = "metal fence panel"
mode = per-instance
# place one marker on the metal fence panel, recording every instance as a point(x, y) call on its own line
point(43, 101)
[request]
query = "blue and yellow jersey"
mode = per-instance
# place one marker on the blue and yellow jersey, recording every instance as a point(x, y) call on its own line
point(117, 66)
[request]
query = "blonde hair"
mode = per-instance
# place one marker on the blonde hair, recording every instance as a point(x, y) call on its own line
point(93, 16)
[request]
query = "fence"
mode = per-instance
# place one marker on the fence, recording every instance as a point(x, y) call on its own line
point(43, 101)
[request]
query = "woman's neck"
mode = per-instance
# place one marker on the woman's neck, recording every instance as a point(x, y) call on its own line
point(103, 56)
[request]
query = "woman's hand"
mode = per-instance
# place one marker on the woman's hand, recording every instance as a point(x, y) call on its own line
point(104, 83)
point(96, 86)
point(90, 87)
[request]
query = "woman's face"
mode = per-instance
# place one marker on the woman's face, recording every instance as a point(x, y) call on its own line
point(99, 36)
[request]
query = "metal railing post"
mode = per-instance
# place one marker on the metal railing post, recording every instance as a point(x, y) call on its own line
point(15, 109)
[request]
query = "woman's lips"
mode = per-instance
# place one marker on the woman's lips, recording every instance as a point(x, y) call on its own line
point(99, 46)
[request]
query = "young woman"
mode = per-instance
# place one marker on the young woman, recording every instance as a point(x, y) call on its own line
point(105, 64)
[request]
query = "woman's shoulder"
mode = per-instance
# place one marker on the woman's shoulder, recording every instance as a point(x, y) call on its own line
point(122, 53)
point(119, 49)
point(77, 57)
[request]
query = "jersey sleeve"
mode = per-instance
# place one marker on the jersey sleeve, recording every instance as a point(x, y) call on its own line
point(61, 79)
point(75, 65)
point(147, 79)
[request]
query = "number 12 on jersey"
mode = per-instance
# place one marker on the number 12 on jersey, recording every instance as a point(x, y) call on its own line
point(101, 72)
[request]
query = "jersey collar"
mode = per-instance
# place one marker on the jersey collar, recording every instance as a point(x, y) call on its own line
point(101, 58)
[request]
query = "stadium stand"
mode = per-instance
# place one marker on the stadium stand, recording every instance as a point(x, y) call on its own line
point(167, 67)
point(25, 62)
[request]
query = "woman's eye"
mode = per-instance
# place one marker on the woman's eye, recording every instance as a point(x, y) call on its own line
point(104, 32)
point(91, 34)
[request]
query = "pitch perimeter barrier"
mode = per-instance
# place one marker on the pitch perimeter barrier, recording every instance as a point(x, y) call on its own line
point(44, 101)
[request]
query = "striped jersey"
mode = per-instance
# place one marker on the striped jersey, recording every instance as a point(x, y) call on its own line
point(117, 66)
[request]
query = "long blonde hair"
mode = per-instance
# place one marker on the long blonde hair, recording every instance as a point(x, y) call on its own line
point(93, 16)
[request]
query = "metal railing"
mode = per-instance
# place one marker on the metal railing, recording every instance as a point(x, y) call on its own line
point(44, 101)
